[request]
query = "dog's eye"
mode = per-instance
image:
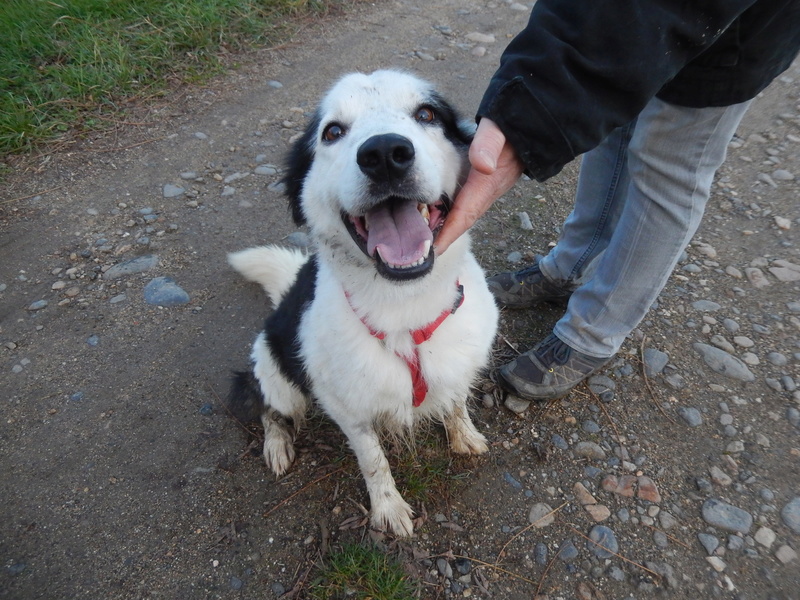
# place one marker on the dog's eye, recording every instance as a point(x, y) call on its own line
point(332, 132)
point(425, 114)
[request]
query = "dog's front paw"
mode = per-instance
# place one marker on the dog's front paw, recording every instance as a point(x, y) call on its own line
point(468, 442)
point(394, 514)
point(279, 452)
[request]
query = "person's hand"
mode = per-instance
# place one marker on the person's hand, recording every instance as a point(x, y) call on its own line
point(495, 169)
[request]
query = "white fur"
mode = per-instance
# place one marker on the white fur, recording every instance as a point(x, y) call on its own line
point(358, 380)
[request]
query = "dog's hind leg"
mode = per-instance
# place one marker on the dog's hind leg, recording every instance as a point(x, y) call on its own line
point(461, 432)
point(284, 408)
point(389, 510)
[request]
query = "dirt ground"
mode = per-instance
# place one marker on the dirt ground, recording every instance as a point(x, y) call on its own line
point(123, 477)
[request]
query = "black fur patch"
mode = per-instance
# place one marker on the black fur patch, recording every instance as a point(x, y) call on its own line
point(297, 165)
point(245, 400)
point(282, 326)
point(450, 120)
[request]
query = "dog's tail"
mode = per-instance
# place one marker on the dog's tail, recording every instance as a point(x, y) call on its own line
point(273, 267)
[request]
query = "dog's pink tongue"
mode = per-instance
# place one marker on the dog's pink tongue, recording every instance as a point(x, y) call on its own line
point(398, 231)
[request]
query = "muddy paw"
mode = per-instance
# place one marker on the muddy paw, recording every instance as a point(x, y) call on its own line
point(279, 453)
point(393, 514)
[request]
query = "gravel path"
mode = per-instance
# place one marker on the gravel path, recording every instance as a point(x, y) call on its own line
point(676, 471)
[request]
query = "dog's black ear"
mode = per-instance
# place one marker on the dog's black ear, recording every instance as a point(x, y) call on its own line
point(456, 129)
point(297, 165)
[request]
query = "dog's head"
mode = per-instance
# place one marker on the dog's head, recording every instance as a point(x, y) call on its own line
point(376, 171)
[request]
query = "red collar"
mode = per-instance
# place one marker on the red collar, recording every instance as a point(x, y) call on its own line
point(423, 334)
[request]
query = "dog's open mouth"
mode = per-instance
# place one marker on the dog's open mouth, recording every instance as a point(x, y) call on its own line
point(399, 233)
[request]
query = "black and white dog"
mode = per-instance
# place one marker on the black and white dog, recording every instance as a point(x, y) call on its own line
point(377, 330)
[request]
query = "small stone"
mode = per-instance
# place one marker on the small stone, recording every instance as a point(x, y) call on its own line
point(654, 361)
point(660, 539)
point(598, 512)
point(691, 415)
point(605, 542)
point(514, 257)
point(58, 285)
point(726, 517)
point(480, 38)
point(709, 542)
point(163, 291)
point(582, 495)
point(525, 221)
point(765, 536)
point(719, 476)
point(444, 568)
point(517, 405)
point(38, 305)
point(139, 264)
point(622, 486)
point(723, 363)
point(667, 520)
point(93, 340)
point(207, 410)
point(236, 583)
point(200, 135)
point(540, 553)
point(786, 554)
point(706, 306)
point(589, 450)
point(463, 565)
point(756, 277)
point(567, 551)
point(541, 515)
point(791, 514)
point(716, 563)
point(782, 175)
point(266, 170)
point(648, 490)
point(275, 84)
point(172, 191)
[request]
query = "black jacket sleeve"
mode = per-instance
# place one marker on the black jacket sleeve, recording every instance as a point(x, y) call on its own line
point(581, 68)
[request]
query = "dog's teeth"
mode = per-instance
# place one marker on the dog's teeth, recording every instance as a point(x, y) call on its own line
point(366, 223)
point(426, 250)
point(423, 210)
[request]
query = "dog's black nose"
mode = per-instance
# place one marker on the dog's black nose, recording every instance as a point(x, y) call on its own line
point(385, 157)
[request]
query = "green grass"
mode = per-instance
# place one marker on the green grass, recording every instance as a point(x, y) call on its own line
point(361, 573)
point(64, 63)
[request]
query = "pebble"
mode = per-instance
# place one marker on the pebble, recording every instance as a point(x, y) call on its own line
point(598, 512)
point(514, 257)
point(480, 38)
point(791, 514)
point(589, 450)
point(726, 517)
point(525, 221)
point(606, 542)
point(706, 306)
point(559, 442)
point(172, 191)
point(38, 305)
point(540, 515)
point(719, 476)
point(654, 361)
point(275, 84)
point(540, 553)
point(691, 415)
point(163, 291)
point(647, 490)
point(716, 563)
point(567, 551)
point(517, 405)
point(200, 135)
point(709, 542)
point(511, 481)
point(207, 410)
point(786, 554)
point(93, 340)
point(723, 363)
point(765, 536)
point(140, 264)
point(266, 170)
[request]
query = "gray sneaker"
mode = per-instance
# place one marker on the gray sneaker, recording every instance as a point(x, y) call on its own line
point(524, 288)
point(550, 370)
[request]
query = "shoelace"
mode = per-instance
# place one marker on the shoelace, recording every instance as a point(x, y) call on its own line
point(553, 350)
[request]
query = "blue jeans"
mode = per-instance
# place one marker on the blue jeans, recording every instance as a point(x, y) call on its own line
point(640, 198)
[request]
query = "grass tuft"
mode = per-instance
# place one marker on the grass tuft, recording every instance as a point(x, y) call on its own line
point(63, 61)
point(361, 573)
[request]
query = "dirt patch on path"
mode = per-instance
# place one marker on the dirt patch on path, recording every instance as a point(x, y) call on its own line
point(124, 478)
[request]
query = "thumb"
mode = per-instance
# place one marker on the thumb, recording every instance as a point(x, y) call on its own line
point(486, 147)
